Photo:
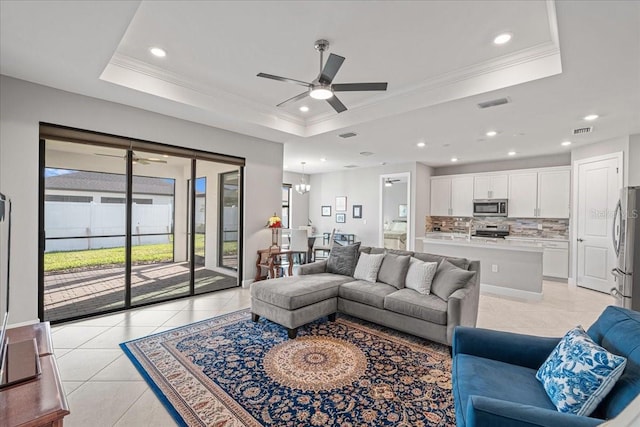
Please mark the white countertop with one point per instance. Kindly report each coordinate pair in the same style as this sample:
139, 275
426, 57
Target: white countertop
545, 239
485, 243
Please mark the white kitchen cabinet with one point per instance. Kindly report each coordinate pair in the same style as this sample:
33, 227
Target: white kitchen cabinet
541, 194
440, 196
452, 196
490, 186
531, 193
554, 188
523, 195
555, 259
462, 196
555, 255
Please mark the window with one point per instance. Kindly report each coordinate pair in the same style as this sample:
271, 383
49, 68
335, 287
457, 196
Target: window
73, 199
123, 200
286, 205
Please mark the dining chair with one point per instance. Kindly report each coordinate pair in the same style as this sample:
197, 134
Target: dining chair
299, 244
324, 248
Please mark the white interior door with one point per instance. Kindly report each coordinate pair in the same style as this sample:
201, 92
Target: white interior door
598, 189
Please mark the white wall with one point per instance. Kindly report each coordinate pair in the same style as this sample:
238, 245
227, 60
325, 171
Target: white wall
561, 159
23, 105
634, 160
299, 210
421, 198
393, 197
605, 147
361, 187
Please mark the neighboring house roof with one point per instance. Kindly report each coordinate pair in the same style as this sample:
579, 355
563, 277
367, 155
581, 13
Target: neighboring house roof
108, 182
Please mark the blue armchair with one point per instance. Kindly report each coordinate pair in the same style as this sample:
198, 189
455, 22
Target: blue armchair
494, 381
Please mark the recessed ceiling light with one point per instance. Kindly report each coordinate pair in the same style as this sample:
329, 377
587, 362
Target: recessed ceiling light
366, 153
491, 133
454, 159
165, 155
591, 117
421, 144
565, 143
323, 159
304, 108
383, 163
511, 153
502, 38
156, 51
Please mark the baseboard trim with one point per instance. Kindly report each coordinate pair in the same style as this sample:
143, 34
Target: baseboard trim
247, 283
28, 322
508, 292
572, 282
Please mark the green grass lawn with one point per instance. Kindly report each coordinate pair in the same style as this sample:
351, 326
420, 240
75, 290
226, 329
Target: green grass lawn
144, 254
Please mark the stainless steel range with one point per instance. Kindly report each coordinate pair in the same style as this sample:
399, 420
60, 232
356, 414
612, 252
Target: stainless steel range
499, 231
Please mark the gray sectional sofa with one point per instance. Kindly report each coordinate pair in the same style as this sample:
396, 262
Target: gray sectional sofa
314, 293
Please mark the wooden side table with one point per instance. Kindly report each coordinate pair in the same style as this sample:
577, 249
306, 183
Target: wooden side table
41, 401
267, 259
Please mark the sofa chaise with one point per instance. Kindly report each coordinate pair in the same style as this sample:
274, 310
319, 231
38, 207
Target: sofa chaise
314, 293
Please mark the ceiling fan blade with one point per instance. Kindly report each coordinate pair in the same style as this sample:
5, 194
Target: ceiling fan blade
356, 87
110, 155
336, 104
294, 99
284, 79
331, 69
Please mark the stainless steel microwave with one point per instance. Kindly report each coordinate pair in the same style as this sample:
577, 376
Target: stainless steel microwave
490, 207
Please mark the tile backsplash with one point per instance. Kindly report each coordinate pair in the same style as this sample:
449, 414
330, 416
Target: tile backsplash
522, 227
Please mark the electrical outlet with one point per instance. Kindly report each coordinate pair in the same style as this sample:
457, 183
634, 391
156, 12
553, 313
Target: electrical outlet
494, 268
364, 221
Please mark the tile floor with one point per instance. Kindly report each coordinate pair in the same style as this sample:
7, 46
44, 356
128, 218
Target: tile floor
104, 389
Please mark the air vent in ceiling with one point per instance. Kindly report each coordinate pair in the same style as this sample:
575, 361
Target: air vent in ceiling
351, 166
493, 103
580, 131
347, 135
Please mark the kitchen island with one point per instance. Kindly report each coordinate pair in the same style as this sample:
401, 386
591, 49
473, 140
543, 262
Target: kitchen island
507, 267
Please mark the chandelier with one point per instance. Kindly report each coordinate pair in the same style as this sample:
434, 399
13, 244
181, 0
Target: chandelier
303, 187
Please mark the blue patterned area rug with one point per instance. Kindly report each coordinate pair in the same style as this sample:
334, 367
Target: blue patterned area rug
230, 371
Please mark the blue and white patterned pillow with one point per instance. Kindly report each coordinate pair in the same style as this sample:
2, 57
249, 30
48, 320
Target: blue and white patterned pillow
579, 373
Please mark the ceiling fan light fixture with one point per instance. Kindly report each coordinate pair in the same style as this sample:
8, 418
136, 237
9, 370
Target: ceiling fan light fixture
322, 92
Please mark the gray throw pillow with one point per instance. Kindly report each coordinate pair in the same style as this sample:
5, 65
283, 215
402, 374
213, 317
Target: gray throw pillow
462, 263
420, 275
398, 252
343, 259
368, 266
449, 279
393, 270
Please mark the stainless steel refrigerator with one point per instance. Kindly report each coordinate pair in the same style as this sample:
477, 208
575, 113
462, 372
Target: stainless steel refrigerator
626, 244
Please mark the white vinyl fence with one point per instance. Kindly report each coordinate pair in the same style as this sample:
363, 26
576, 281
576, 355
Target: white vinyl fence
64, 219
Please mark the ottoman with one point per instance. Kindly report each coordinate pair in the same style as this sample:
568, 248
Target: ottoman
297, 300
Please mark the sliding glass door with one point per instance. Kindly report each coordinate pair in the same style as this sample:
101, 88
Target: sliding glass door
230, 214
125, 227
85, 230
